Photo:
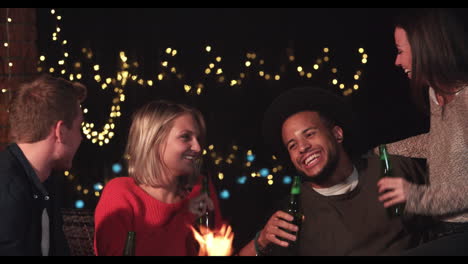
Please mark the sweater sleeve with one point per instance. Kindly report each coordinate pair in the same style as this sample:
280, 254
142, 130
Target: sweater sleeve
414, 147
447, 194
426, 200
113, 219
410, 169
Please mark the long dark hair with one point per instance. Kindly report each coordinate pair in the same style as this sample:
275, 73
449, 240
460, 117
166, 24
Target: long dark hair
439, 47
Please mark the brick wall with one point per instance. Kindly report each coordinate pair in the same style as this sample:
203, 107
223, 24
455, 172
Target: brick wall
21, 35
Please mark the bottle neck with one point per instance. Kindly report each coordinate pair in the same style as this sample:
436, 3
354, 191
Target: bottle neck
207, 219
129, 249
205, 185
383, 152
296, 186
295, 190
386, 166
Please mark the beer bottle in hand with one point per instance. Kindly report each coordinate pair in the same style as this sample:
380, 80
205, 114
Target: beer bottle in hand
294, 206
386, 171
129, 249
294, 209
207, 219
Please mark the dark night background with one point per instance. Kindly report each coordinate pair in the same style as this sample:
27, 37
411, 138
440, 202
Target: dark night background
233, 114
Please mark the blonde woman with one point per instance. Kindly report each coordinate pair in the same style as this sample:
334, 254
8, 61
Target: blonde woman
164, 150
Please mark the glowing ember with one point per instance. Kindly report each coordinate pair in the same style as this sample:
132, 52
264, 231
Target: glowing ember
214, 243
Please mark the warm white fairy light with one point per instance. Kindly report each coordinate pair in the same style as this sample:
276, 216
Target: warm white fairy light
103, 136
6, 44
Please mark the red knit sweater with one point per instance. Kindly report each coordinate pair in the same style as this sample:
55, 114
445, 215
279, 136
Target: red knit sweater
161, 229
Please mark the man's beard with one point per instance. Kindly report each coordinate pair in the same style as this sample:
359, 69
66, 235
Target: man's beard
324, 175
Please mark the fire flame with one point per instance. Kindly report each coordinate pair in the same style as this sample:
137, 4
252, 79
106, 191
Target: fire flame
214, 243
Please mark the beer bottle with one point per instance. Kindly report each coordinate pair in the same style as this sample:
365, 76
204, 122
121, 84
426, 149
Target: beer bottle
207, 219
386, 171
294, 208
129, 249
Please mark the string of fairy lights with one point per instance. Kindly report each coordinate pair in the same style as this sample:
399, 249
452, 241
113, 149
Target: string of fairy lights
103, 135
128, 72
6, 45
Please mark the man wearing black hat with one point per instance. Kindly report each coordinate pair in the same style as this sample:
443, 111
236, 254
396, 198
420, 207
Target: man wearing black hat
339, 196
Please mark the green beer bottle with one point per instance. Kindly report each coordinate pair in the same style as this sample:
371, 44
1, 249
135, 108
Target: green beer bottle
386, 171
129, 249
207, 219
294, 208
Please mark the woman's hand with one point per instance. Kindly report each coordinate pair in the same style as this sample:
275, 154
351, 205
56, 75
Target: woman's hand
200, 204
392, 191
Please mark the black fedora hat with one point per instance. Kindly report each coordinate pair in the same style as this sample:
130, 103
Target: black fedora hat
329, 105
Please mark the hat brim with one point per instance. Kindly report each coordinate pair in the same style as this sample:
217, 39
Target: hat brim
327, 104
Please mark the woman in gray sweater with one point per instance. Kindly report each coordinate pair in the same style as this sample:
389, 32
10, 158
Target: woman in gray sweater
433, 52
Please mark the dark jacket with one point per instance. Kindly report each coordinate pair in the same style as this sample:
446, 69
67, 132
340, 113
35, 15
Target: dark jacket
22, 201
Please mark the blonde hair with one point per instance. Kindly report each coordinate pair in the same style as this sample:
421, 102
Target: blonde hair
147, 137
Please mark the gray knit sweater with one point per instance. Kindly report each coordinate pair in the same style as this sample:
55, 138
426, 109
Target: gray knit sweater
446, 149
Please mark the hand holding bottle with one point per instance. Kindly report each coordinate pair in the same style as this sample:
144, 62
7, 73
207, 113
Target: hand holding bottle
285, 225
278, 230
392, 191
200, 204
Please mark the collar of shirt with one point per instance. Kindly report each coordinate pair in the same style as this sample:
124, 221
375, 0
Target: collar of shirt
345, 187
433, 97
